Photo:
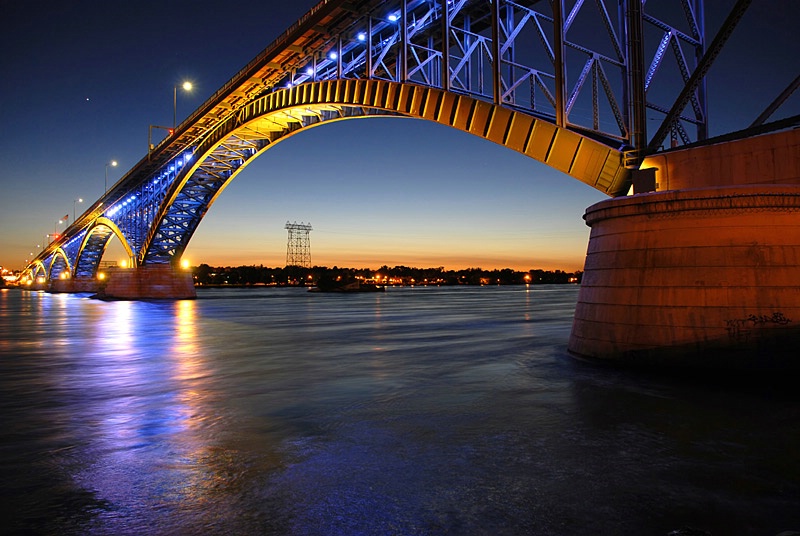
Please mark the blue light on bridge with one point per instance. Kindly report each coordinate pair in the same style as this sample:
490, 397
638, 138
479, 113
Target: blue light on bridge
362, 36
393, 18
333, 55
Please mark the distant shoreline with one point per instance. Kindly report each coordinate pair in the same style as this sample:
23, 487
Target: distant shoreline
262, 285
263, 276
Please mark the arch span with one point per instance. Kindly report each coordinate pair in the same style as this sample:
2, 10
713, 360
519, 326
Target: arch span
227, 149
60, 264
576, 155
94, 245
35, 270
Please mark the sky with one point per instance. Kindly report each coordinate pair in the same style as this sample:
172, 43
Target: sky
83, 80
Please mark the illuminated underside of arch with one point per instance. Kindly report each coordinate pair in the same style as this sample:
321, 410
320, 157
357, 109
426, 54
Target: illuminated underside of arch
94, 245
37, 269
227, 149
59, 265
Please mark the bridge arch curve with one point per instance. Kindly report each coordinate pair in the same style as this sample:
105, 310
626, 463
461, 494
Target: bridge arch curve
59, 265
35, 270
94, 245
254, 128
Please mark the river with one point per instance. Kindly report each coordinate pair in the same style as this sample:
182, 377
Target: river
418, 411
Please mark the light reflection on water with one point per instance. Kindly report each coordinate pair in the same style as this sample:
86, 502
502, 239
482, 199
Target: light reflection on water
415, 411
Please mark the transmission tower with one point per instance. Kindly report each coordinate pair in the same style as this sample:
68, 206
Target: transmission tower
298, 248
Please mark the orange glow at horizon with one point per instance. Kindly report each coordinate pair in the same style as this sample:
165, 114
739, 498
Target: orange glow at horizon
453, 251
355, 259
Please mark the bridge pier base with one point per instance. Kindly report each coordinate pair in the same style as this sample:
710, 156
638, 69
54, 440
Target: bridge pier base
148, 282
74, 285
701, 278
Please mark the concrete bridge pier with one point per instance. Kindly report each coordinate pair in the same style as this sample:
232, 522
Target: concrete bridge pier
148, 282
36, 286
705, 277
71, 285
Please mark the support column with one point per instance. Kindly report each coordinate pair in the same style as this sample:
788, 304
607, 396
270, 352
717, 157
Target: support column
701, 278
148, 282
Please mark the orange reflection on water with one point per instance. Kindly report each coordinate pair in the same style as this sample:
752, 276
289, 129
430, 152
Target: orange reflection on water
118, 327
189, 370
185, 347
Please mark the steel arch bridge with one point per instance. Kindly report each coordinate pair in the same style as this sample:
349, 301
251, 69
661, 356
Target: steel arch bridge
569, 83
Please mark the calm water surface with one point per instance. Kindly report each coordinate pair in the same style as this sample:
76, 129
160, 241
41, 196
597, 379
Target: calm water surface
411, 412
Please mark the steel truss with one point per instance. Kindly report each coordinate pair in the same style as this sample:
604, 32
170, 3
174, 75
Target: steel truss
579, 63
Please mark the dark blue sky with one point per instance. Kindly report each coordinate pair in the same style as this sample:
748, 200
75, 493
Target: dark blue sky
82, 80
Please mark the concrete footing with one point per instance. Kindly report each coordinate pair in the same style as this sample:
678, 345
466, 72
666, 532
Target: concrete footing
74, 285
706, 278
148, 282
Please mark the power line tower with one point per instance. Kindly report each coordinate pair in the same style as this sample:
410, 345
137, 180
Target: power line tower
298, 248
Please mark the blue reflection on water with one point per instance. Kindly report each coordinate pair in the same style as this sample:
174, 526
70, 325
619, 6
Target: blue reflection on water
415, 411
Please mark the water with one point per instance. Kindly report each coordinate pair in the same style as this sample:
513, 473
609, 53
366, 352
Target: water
411, 412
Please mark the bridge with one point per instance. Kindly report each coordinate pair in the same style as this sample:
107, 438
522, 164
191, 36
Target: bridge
520, 74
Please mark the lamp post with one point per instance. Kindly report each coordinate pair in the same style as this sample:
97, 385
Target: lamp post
55, 229
113, 163
74, 201
187, 86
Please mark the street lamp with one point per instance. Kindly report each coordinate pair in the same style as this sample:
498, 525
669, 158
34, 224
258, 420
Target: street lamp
55, 230
187, 86
74, 201
113, 163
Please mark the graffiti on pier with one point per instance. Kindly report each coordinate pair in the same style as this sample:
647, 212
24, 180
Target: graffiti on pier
739, 329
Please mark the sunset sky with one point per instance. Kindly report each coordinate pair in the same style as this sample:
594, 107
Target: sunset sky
82, 80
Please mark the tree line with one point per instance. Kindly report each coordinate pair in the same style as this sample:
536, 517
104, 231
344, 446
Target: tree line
205, 275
